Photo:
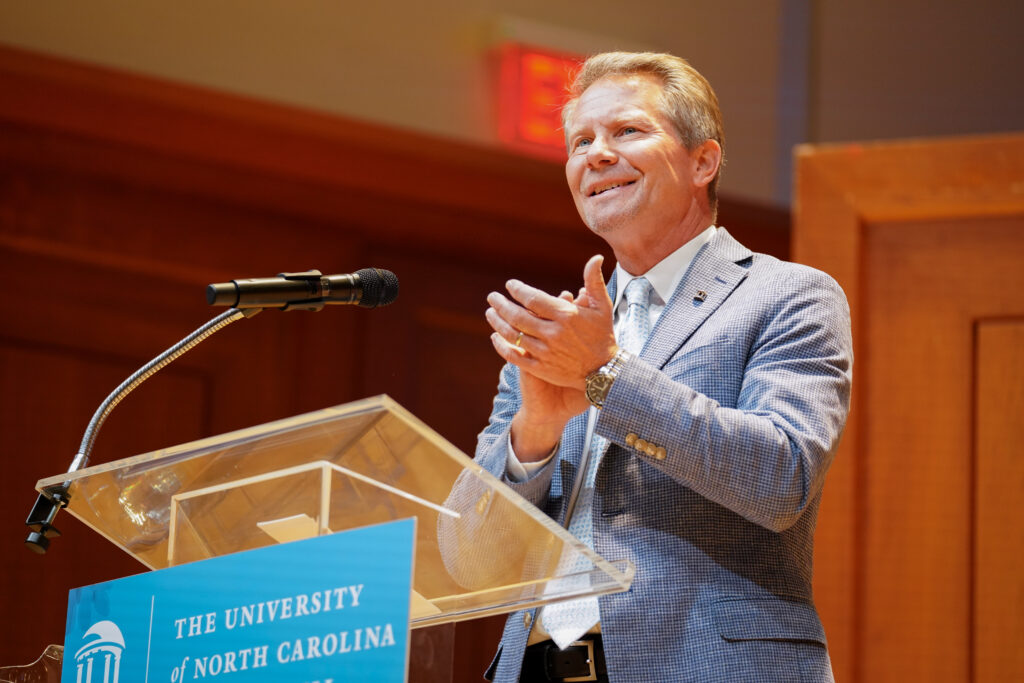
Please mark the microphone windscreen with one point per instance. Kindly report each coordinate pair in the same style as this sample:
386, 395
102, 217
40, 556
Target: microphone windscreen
380, 287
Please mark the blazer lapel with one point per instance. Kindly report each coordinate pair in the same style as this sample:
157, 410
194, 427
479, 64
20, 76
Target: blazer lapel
710, 279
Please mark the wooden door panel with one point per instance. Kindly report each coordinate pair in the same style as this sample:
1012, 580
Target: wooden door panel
913, 579
927, 285
998, 564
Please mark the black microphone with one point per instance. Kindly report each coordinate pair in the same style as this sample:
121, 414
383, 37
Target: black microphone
307, 291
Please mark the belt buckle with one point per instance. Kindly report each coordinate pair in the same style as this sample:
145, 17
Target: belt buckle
592, 676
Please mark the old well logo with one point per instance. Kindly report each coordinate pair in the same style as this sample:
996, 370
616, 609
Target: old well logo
99, 660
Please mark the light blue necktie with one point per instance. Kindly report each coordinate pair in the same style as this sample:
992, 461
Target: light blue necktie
565, 622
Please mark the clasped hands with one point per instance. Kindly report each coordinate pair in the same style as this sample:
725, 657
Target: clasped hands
555, 341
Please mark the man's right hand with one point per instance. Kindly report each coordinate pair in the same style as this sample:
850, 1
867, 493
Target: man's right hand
546, 409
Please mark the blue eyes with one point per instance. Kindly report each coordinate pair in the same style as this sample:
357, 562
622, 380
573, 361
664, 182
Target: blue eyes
627, 130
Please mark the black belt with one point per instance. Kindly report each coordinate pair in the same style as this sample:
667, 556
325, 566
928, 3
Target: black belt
581, 661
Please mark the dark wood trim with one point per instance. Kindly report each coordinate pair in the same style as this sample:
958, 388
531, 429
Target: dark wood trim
324, 167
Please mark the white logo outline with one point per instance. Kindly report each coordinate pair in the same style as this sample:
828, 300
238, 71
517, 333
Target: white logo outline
105, 649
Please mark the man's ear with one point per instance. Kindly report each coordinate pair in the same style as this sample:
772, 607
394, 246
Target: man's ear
706, 157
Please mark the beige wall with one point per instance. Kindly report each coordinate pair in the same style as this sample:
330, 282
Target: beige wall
918, 68
418, 65
787, 71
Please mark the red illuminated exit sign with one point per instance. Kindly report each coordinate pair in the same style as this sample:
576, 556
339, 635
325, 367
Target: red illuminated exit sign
533, 88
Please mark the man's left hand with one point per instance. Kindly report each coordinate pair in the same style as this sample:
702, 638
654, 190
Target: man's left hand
562, 340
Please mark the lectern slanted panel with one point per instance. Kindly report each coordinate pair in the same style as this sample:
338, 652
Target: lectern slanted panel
480, 548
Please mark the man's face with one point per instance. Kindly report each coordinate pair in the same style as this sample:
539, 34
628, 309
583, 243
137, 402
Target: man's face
630, 175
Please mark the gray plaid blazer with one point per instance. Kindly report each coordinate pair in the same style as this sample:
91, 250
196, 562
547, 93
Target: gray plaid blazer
745, 382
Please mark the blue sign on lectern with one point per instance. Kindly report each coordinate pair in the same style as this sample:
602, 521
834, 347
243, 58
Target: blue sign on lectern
331, 609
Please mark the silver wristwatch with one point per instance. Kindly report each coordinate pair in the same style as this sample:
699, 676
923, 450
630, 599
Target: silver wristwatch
600, 381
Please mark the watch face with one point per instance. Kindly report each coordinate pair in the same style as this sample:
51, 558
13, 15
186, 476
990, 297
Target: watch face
598, 387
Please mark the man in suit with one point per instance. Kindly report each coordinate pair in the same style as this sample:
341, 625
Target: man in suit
694, 403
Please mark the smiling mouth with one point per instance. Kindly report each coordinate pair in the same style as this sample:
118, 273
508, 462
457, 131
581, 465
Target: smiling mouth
602, 190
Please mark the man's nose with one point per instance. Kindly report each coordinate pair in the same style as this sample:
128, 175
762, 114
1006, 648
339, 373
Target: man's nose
600, 152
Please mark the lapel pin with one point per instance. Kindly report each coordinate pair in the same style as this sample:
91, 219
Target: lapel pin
701, 295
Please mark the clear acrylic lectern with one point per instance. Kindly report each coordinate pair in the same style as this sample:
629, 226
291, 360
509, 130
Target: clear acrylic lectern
480, 548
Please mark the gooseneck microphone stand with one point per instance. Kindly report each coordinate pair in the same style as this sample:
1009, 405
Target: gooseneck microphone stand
51, 500
309, 290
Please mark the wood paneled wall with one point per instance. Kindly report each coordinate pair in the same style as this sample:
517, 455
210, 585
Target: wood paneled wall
122, 196
920, 548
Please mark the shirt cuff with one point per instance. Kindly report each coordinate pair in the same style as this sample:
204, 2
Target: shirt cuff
522, 471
